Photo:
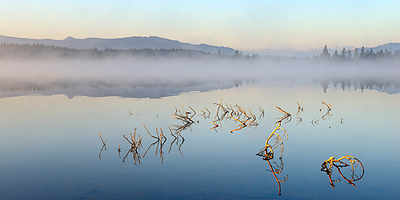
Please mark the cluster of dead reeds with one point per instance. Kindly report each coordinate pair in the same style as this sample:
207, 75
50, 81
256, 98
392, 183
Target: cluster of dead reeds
224, 112
135, 145
186, 117
276, 138
135, 142
267, 152
245, 118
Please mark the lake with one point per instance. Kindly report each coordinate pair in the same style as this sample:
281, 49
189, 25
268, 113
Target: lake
51, 147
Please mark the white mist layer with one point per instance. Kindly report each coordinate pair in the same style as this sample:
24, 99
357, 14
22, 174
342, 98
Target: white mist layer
182, 72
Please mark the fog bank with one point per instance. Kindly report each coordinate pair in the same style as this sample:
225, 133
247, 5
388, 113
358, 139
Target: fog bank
51, 74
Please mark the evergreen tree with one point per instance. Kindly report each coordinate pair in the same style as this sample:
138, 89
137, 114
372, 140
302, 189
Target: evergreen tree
356, 53
343, 54
349, 54
379, 54
362, 53
370, 53
236, 54
325, 54
335, 55
388, 54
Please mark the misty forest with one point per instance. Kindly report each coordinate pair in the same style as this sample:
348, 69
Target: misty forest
51, 67
41, 51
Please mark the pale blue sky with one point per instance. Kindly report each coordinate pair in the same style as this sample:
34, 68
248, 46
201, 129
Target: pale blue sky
246, 25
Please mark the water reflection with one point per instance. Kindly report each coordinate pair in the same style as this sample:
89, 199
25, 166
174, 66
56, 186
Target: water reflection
160, 141
354, 167
390, 86
267, 152
177, 137
185, 117
98, 88
328, 110
135, 145
237, 113
225, 112
215, 165
104, 147
300, 109
276, 169
205, 114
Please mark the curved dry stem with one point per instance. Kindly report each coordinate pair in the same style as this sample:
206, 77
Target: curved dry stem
340, 164
278, 140
275, 172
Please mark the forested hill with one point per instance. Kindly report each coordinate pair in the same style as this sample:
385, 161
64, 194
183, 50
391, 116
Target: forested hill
41, 51
151, 42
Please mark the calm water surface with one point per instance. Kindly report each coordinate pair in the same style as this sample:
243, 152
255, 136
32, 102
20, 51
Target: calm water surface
50, 146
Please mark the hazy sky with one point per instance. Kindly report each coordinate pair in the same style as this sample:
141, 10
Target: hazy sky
246, 25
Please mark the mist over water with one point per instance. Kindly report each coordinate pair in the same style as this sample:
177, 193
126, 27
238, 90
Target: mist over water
191, 74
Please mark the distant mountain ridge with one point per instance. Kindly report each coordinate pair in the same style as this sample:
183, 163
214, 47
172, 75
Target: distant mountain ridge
136, 42
389, 46
154, 42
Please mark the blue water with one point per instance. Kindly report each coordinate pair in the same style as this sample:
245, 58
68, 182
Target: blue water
50, 145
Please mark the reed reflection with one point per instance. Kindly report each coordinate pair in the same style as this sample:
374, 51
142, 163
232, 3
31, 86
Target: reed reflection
177, 137
245, 118
267, 152
135, 146
206, 114
354, 167
348, 167
276, 169
186, 117
328, 110
104, 147
300, 109
160, 141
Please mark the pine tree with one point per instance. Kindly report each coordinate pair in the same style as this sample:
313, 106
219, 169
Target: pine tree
362, 53
349, 55
325, 54
356, 53
343, 54
335, 55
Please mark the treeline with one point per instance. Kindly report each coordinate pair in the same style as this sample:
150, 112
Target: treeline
357, 54
27, 51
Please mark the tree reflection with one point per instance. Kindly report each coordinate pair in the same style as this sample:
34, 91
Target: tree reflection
364, 83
